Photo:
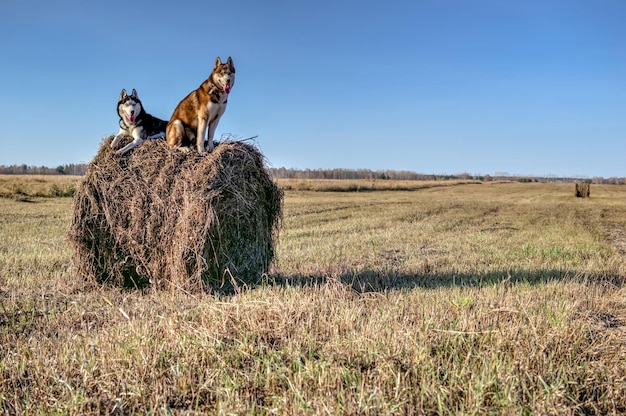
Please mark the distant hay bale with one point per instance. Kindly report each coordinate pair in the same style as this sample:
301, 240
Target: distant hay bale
162, 217
582, 190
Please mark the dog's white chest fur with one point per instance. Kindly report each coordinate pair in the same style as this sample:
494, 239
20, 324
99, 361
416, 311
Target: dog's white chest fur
216, 109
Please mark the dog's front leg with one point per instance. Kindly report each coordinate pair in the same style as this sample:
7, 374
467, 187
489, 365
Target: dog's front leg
137, 134
212, 128
201, 135
117, 138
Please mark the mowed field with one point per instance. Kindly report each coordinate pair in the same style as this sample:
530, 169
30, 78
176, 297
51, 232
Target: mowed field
416, 298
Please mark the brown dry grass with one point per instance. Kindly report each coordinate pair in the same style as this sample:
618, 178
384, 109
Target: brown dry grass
357, 185
28, 186
473, 299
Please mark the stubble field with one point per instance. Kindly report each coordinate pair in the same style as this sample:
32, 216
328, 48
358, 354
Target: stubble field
469, 298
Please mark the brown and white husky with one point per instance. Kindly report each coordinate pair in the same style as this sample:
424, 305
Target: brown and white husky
201, 110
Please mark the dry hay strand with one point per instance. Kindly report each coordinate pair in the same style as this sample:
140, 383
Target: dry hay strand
172, 219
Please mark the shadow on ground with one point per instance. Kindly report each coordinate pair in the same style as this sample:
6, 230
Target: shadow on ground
369, 281
377, 281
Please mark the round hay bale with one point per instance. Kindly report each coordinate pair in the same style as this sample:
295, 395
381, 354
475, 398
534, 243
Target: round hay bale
582, 190
172, 219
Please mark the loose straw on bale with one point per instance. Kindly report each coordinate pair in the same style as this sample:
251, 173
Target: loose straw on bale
172, 219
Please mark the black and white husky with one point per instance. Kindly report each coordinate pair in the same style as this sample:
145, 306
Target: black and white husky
135, 122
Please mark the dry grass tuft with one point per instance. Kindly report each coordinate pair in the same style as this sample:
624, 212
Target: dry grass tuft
365, 185
173, 219
25, 187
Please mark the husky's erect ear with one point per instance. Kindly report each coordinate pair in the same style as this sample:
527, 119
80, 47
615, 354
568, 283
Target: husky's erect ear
134, 94
229, 61
122, 95
218, 62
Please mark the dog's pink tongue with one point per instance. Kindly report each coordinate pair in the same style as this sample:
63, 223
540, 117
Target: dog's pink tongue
132, 119
227, 89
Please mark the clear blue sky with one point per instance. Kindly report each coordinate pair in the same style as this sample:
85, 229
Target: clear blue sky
534, 87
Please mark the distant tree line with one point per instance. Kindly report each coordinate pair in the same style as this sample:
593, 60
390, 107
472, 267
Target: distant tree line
70, 169
367, 174
284, 173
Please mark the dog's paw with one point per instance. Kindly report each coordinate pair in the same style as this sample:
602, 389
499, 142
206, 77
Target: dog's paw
183, 149
115, 141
